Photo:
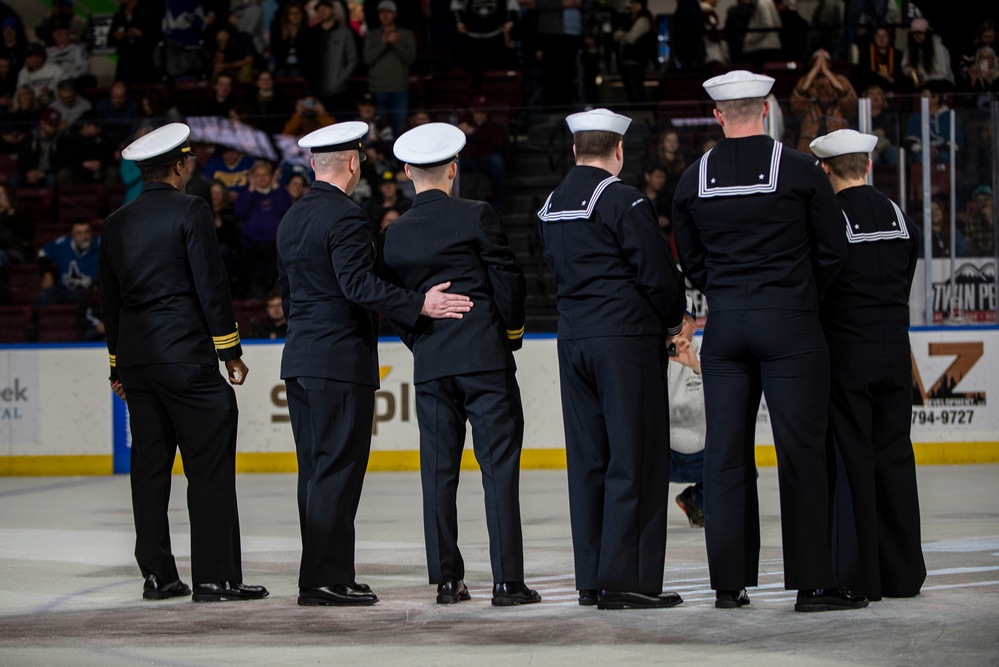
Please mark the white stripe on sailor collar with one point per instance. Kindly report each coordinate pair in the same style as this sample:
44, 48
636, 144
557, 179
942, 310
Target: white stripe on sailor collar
704, 189
860, 237
579, 214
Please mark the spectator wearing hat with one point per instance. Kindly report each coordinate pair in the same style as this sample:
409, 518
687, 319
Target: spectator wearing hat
484, 152
36, 154
326, 271
331, 56
764, 288
134, 33
386, 198
85, 155
620, 302
69, 103
822, 100
169, 321
865, 317
941, 117
39, 75
72, 57
12, 42
925, 57
389, 52
463, 371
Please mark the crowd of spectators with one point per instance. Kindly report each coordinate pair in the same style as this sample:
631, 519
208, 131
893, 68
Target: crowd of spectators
356, 60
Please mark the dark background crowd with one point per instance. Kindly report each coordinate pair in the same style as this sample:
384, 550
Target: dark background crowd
273, 71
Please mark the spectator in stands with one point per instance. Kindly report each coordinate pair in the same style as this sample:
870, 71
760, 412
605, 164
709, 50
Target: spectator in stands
885, 126
389, 215
233, 54
288, 40
69, 103
875, 12
940, 228
223, 98
793, 31
377, 142
72, 57
670, 155
259, 210
275, 325
925, 58
827, 25
715, 47
85, 156
823, 101
979, 227
357, 20
484, 149
297, 187
983, 75
118, 114
762, 43
16, 227
68, 266
687, 36
41, 76
389, 52
230, 166
12, 42
310, 115
36, 155
637, 42
21, 118
63, 12
266, 108
248, 19
155, 112
654, 180
880, 63
736, 26
134, 33
331, 56
941, 117
91, 317
985, 36
387, 197
484, 35
8, 83
687, 424
226, 225
182, 53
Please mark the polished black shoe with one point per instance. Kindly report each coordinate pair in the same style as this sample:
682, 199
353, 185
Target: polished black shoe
731, 599
513, 593
830, 599
695, 515
154, 589
630, 600
588, 597
452, 591
341, 595
227, 591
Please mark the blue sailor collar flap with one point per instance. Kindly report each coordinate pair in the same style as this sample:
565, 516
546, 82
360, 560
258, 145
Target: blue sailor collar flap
882, 223
735, 168
577, 197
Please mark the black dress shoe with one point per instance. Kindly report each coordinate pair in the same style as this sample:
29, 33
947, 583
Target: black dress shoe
154, 589
588, 597
341, 595
513, 593
228, 590
631, 600
731, 599
830, 599
452, 591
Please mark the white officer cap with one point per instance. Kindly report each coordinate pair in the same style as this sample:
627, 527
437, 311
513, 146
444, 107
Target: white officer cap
842, 142
600, 120
336, 137
164, 144
738, 85
429, 145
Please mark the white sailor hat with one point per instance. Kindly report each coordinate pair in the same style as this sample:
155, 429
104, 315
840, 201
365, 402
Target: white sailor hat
429, 145
337, 137
842, 142
602, 120
164, 144
738, 85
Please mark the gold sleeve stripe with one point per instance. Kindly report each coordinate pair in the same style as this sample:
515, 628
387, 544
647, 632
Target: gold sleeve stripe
515, 333
114, 360
228, 340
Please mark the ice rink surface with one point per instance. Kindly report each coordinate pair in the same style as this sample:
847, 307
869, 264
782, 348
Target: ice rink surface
70, 592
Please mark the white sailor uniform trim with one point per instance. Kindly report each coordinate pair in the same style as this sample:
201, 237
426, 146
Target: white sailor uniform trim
900, 230
706, 189
579, 214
